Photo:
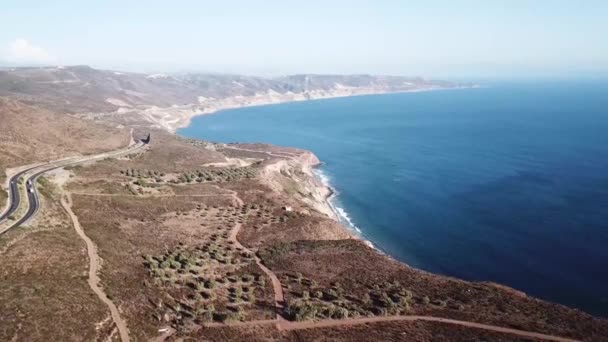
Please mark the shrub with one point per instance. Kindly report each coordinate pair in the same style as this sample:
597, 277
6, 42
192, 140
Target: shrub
340, 313
210, 283
250, 297
262, 281
300, 310
386, 301
331, 294
206, 316
441, 303
366, 299
200, 286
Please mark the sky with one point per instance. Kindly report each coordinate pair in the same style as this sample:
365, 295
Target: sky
433, 38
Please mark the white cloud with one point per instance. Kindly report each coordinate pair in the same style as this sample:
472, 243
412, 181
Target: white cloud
21, 51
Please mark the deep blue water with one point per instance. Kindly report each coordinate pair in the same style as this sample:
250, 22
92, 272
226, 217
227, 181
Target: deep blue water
507, 183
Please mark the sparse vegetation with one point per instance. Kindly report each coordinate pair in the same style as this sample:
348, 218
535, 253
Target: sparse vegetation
147, 178
211, 274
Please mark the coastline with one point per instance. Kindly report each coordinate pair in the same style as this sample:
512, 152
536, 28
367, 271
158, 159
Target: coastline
341, 215
214, 106
328, 201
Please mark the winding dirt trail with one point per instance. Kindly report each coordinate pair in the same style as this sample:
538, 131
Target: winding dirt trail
287, 325
283, 155
93, 280
280, 322
148, 196
283, 324
279, 297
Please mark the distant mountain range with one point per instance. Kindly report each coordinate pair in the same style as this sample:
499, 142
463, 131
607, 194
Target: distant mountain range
169, 100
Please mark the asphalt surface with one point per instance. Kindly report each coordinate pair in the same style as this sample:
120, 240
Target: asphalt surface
14, 199
32, 192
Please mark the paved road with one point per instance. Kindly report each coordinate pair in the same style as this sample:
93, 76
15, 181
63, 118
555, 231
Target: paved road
30, 183
14, 198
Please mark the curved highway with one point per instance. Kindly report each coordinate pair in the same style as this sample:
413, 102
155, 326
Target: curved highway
14, 198
30, 184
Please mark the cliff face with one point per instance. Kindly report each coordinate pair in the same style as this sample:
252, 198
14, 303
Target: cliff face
295, 177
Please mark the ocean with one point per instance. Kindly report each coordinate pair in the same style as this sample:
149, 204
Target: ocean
506, 183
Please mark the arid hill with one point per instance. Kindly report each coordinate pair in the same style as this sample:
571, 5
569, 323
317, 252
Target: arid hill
169, 101
31, 134
192, 239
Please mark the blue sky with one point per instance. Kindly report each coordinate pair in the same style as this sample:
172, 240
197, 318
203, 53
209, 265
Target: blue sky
429, 38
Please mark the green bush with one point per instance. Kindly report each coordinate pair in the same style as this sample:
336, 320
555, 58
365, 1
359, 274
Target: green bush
366, 299
210, 284
340, 313
300, 310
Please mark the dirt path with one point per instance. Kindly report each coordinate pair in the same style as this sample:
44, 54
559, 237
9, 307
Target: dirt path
283, 324
279, 298
281, 155
66, 203
149, 196
286, 325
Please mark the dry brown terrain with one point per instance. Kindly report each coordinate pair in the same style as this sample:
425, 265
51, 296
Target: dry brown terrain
170, 101
306, 250
389, 331
31, 134
348, 274
44, 294
174, 227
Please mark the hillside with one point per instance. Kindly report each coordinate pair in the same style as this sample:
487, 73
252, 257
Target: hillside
169, 101
188, 239
32, 134
197, 241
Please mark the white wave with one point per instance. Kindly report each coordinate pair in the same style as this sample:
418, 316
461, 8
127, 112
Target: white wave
323, 177
341, 213
346, 218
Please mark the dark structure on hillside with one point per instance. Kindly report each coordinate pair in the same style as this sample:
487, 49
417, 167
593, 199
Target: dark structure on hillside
147, 139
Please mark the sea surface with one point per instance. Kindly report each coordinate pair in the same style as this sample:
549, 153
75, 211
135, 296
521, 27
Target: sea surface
505, 183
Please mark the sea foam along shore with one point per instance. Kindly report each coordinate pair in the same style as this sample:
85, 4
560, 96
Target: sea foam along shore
334, 204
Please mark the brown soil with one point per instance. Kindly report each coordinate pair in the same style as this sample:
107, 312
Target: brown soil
31, 134
94, 266
298, 252
359, 270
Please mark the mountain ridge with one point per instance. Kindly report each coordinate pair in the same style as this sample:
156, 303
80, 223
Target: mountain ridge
169, 101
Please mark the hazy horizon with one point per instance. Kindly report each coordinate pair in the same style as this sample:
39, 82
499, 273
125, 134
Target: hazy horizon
437, 39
